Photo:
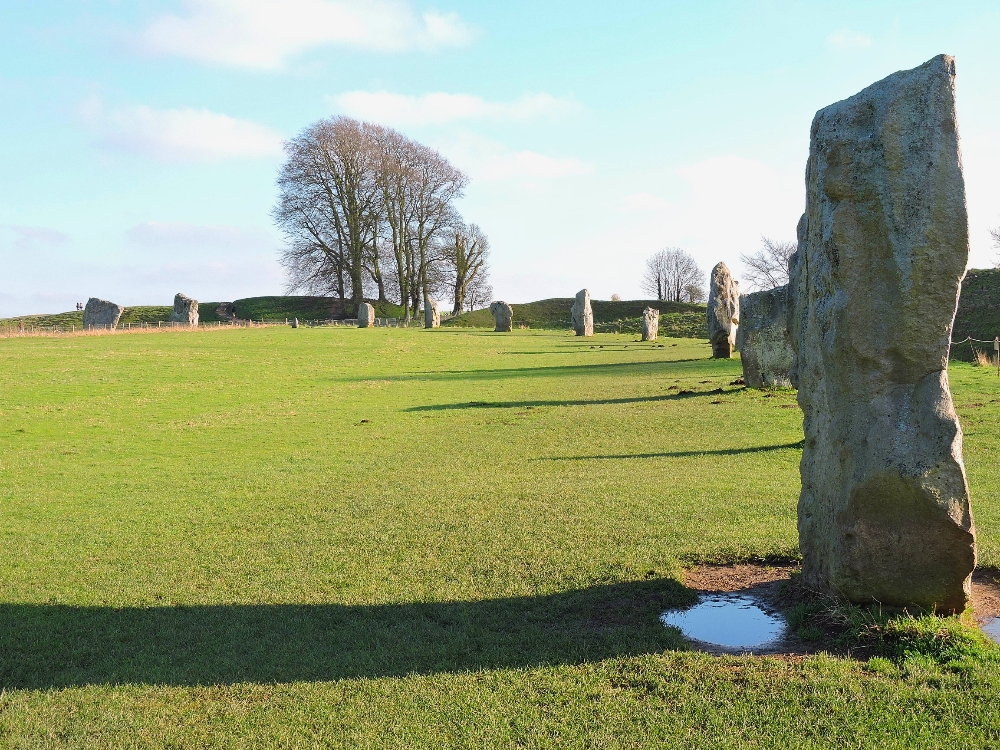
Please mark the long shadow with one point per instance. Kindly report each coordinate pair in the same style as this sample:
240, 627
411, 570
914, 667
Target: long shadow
581, 402
681, 454
532, 371
53, 646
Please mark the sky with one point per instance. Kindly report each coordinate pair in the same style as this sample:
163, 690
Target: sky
140, 141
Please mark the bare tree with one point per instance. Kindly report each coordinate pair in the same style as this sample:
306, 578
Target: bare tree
479, 292
995, 233
669, 272
694, 293
328, 195
465, 256
768, 267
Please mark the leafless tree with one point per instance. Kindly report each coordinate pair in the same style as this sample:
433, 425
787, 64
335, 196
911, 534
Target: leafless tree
694, 293
669, 272
768, 267
465, 257
479, 293
995, 233
362, 206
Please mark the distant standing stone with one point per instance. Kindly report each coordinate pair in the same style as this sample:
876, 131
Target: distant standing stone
185, 310
432, 318
99, 313
650, 324
884, 513
503, 314
763, 340
295, 322
582, 315
366, 315
723, 311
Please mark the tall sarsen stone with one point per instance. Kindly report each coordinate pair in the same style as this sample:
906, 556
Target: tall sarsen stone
884, 513
582, 315
185, 310
723, 311
763, 341
99, 313
650, 323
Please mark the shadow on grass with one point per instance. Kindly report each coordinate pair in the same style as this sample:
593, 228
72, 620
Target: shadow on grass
561, 370
572, 402
53, 646
682, 454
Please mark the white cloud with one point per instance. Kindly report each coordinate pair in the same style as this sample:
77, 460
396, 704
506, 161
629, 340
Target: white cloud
27, 239
491, 161
265, 33
642, 202
180, 134
846, 39
437, 108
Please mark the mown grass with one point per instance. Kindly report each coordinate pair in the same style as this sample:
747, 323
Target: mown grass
398, 537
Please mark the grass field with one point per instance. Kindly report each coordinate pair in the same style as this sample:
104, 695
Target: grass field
406, 538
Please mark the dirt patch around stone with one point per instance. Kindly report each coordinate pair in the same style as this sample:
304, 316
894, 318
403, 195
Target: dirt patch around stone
773, 589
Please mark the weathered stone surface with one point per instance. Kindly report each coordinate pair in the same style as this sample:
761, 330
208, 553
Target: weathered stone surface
582, 315
99, 313
226, 311
366, 315
763, 341
723, 311
884, 513
185, 310
432, 318
503, 314
650, 324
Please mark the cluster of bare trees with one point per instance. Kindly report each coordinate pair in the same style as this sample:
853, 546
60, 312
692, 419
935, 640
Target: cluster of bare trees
768, 267
369, 213
674, 276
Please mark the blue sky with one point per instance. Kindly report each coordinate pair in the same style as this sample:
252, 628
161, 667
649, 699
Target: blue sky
140, 140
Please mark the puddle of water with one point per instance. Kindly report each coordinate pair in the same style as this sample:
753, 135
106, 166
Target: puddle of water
992, 628
728, 620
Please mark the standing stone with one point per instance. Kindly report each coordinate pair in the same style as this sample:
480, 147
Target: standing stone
763, 341
582, 315
432, 318
185, 310
884, 513
723, 312
366, 315
295, 322
650, 324
503, 314
99, 313
226, 311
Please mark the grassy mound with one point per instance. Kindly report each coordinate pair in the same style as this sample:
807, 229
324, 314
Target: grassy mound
978, 314
676, 318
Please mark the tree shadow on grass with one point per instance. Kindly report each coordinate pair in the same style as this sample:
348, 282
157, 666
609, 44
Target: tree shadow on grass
571, 402
55, 646
681, 454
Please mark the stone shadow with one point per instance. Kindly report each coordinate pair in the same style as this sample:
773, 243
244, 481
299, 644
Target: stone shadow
682, 454
568, 402
45, 646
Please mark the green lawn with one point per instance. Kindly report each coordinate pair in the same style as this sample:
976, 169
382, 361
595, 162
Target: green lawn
338, 537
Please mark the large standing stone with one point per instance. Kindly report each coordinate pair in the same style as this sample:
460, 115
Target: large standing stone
582, 315
503, 314
650, 323
366, 315
432, 318
763, 340
99, 313
884, 513
723, 311
185, 310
